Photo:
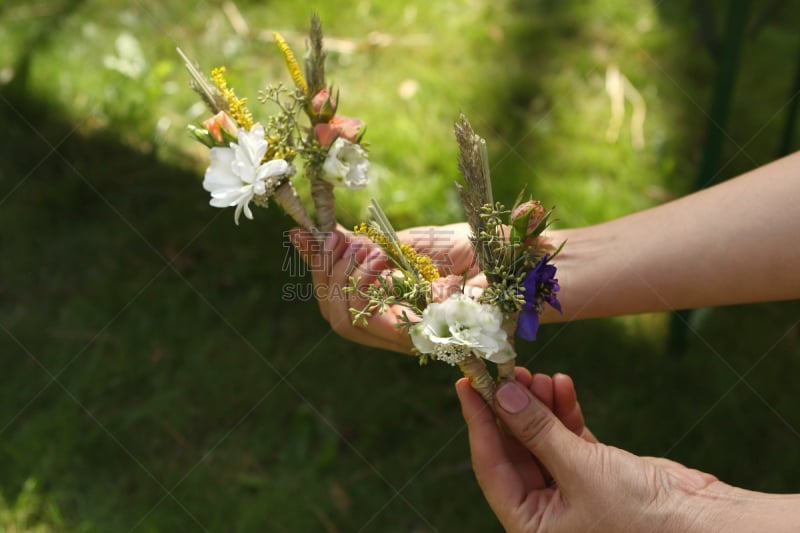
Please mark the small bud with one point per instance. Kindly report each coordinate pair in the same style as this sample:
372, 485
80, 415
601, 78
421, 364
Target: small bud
202, 135
323, 105
529, 219
221, 127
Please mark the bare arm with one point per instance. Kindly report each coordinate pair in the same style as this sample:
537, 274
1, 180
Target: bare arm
733, 243
736, 242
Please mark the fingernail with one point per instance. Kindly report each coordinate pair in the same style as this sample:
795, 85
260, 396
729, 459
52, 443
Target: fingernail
331, 241
511, 397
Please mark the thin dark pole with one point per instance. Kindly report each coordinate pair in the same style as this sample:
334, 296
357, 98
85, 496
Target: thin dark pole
787, 139
718, 115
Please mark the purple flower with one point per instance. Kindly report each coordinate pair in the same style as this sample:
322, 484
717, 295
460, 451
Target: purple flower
541, 287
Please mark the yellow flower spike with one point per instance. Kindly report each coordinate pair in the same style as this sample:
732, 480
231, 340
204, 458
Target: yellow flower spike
291, 63
237, 107
421, 262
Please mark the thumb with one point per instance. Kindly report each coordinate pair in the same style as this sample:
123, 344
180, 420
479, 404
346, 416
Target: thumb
536, 427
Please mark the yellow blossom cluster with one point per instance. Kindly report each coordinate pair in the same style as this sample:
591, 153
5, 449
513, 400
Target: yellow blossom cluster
278, 150
423, 263
237, 107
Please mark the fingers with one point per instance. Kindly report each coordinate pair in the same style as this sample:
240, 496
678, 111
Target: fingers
566, 407
534, 425
497, 475
523, 375
558, 394
542, 387
530, 471
320, 258
331, 263
381, 329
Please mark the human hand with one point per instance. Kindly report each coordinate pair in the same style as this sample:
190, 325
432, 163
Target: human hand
343, 255
593, 487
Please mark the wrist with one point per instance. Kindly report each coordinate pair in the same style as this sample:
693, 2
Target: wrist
709, 509
722, 507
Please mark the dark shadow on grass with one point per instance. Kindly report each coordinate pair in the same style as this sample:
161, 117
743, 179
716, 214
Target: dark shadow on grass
167, 332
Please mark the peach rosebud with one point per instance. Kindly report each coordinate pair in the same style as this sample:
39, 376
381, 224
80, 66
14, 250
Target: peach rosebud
345, 127
219, 123
325, 134
348, 128
323, 105
529, 218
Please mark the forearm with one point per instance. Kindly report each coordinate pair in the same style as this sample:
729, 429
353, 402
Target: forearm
732, 243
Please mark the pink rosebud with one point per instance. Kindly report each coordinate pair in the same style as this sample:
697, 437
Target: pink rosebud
345, 127
323, 104
527, 217
219, 123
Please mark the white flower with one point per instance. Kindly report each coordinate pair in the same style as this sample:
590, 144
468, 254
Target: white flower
346, 164
236, 174
459, 325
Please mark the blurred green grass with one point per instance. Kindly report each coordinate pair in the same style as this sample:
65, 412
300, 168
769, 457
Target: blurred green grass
154, 379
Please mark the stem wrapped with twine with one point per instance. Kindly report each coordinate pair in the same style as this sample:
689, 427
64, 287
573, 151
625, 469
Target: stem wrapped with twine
475, 369
324, 200
321, 190
286, 197
505, 371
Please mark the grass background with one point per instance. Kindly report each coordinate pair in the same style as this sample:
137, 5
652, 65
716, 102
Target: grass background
153, 378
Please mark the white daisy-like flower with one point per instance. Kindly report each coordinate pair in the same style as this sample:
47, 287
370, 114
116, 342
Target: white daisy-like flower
236, 174
346, 165
458, 326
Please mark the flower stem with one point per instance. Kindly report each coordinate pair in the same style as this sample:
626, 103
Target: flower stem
286, 197
505, 371
487, 175
475, 369
324, 203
